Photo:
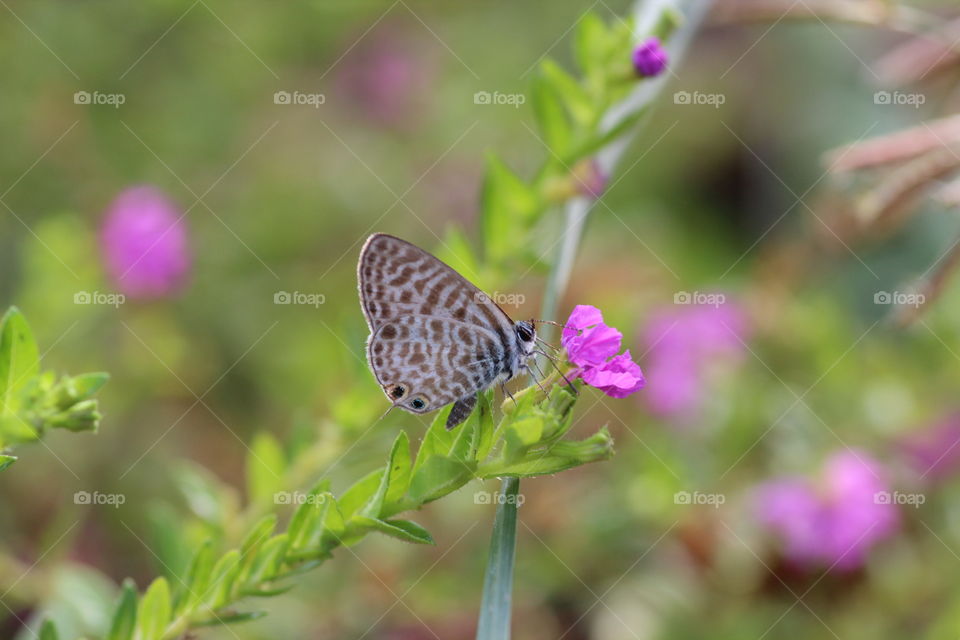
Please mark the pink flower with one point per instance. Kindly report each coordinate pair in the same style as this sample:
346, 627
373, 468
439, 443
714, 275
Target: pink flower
686, 347
144, 244
649, 58
592, 346
832, 520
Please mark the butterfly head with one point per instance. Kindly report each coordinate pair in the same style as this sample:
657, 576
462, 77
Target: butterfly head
526, 334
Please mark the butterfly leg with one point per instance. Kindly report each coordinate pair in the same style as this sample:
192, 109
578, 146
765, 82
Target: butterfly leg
506, 392
461, 411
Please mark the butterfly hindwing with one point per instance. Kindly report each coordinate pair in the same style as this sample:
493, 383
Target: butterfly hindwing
433, 359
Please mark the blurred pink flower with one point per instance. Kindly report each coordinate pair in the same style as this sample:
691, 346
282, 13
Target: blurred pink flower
832, 520
592, 346
934, 453
685, 343
144, 244
385, 78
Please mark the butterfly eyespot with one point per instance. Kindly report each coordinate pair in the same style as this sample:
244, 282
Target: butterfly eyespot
418, 403
398, 391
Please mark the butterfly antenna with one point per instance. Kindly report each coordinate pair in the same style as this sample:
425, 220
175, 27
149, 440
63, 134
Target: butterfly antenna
550, 322
544, 342
555, 366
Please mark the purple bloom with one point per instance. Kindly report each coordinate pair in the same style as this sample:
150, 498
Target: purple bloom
592, 346
618, 377
649, 58
144, 244
832, 520
687, 347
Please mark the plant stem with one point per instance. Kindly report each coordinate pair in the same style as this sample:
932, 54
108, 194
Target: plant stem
495, 607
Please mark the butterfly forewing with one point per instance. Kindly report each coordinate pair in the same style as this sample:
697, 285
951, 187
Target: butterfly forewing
435, 338
397, 279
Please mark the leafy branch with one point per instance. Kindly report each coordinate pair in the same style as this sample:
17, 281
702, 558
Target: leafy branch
527, 441
32, 402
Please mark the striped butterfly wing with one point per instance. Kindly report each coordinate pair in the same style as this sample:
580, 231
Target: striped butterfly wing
397, 279
435, 338
426, 362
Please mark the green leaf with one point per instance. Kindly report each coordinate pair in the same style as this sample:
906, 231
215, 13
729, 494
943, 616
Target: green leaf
222, 578
125, 614
197, 579
401, 469
437, 477
590, 43
6, 461
265, 467
233, 618
401, 529
48, 631
154, 611
19, 358
360, 493
594, 144
505, 201
574, 96
255, 539
305, 520
456, 251
551, 117
269, 559
483, 414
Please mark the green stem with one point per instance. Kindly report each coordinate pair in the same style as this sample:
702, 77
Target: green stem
494, 621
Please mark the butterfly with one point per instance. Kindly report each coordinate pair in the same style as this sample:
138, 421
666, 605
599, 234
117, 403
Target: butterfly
435, 338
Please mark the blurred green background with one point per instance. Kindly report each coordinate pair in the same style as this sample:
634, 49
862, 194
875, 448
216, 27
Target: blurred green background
280, 198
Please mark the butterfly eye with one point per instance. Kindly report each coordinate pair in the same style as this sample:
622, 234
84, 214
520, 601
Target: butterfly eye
397, 391
524, 332
418, 403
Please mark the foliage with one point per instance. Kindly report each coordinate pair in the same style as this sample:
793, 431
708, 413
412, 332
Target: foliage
32, 401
